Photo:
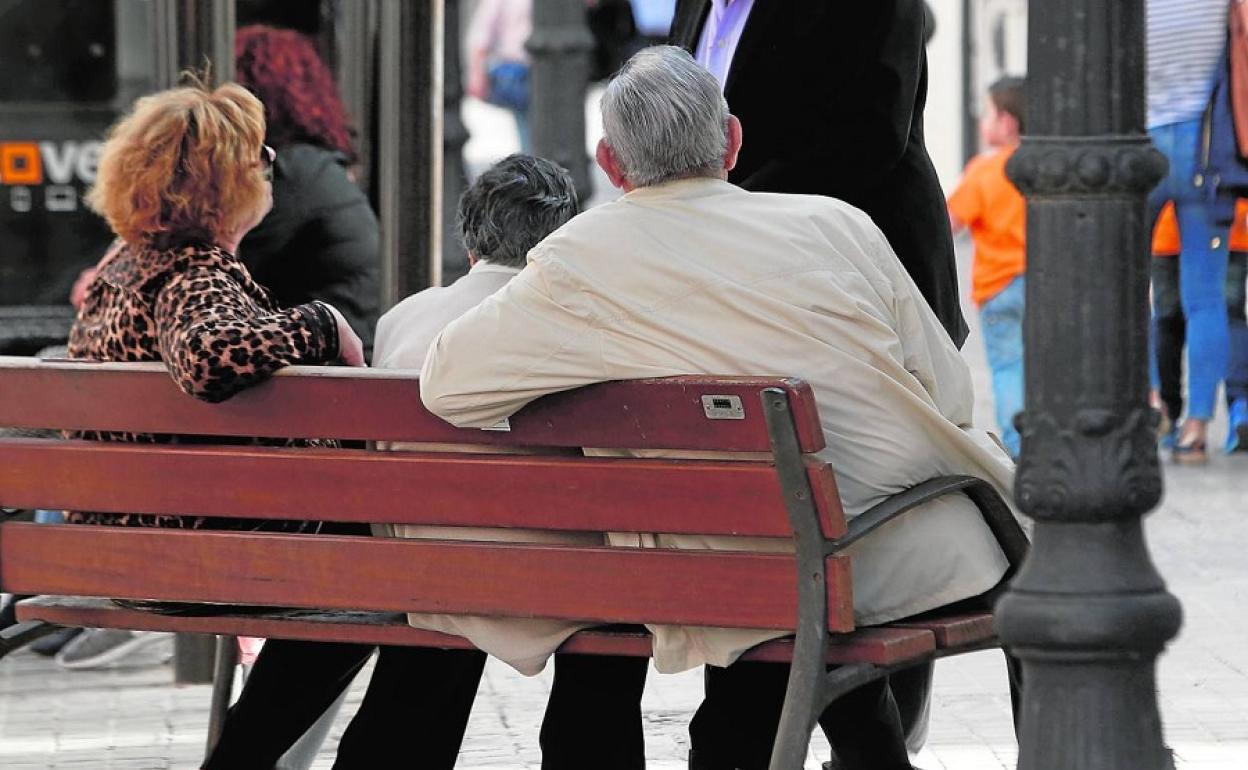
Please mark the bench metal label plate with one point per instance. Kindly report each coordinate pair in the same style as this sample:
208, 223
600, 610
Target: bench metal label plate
723, 408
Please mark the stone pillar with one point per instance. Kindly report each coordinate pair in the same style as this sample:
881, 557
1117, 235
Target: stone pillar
560, 47
1088, 613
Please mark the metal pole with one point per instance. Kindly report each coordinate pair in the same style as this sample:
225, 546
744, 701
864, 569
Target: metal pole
560, 47
970, 125
192, 35
355, 35
1088, 613
408, 152
454, 137
194, 658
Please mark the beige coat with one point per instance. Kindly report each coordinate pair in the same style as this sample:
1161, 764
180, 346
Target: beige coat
699, 276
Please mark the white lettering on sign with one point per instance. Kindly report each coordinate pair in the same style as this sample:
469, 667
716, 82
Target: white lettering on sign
64, 161
60, 197
89, 161
20, 199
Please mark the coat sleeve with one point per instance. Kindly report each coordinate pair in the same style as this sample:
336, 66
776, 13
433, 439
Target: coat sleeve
927, 351
216, 341
529, 339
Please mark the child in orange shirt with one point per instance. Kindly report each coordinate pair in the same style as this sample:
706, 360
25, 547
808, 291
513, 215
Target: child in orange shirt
986, 202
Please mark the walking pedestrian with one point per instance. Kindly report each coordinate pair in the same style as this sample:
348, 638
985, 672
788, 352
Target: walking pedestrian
987, 203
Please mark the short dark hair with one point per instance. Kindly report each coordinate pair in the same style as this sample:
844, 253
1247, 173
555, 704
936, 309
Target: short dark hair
512, 206
1007, 95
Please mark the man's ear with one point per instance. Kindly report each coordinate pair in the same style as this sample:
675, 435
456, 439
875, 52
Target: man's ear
610, 165
734, 143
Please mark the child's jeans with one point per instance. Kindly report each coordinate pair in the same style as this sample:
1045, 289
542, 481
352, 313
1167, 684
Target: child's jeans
1001, 319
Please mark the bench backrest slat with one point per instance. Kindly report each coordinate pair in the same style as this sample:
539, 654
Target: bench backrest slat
712, 588
344, 403
544, 492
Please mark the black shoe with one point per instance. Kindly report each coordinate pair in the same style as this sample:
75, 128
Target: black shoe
8, 613
53, 642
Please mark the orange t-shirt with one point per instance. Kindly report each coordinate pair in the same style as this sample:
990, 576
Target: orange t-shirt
994, 210
1166, 231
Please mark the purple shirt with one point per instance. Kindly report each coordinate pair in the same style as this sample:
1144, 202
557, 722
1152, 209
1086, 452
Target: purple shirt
720, 36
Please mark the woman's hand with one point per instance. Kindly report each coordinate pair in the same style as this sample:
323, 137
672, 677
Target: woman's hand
350, 349
78, 292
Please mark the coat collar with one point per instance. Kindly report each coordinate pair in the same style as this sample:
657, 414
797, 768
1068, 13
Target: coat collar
696, 187
687, 30
146, 269
756, 34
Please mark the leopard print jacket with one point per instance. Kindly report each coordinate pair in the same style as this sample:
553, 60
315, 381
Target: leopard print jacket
196, 308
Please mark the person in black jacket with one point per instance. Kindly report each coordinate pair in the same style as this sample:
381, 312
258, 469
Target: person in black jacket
830, 97
321, 240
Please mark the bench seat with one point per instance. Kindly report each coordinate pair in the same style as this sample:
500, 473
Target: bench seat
882, 646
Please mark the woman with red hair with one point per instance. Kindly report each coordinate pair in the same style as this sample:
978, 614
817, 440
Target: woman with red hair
321, 241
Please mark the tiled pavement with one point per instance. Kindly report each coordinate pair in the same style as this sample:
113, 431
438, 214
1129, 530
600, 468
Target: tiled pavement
132, 718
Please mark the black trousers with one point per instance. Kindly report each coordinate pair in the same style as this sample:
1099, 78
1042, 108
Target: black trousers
416, 708
593, 717
735, 727
414, 712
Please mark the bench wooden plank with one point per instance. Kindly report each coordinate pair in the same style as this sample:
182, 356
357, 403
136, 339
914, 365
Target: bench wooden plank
958, 630
612, 585
349, 403
881, 646
562, 493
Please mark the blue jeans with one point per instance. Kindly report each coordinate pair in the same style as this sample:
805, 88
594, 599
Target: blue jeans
1202, 263
1001, 319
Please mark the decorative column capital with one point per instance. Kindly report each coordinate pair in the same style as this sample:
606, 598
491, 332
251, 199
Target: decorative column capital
1100, 466
1075, 165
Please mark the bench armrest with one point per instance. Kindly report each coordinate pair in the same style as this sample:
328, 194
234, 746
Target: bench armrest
997, 514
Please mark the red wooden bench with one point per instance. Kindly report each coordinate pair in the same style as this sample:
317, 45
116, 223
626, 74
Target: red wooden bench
353, 588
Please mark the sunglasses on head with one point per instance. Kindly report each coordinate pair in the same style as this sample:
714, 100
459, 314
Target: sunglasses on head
267, 156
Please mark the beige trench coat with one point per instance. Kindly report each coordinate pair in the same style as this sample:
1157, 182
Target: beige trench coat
699, 276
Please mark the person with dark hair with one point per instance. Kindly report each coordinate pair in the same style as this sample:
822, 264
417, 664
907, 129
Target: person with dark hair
987, 203
321, 240
506, 212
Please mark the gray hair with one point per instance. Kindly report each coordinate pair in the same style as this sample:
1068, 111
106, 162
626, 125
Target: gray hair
512, 206
664, 117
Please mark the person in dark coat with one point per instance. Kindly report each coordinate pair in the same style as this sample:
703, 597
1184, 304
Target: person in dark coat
830, 97
322, 240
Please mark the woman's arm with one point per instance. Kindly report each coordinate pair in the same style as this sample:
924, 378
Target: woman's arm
215, 340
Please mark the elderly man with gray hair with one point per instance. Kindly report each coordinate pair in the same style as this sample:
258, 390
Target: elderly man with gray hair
688, 274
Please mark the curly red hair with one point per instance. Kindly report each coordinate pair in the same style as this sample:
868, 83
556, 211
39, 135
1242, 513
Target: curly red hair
185, 163
301, 102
